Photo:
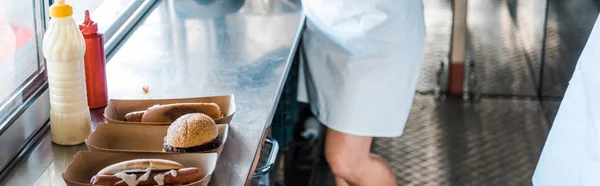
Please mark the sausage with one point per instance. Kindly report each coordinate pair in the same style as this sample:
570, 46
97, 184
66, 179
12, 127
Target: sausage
184, 176
135, 116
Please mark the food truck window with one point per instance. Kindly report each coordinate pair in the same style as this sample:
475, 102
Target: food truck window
22, 25
21, 63
24, 103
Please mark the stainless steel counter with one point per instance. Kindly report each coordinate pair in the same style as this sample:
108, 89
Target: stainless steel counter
190, 49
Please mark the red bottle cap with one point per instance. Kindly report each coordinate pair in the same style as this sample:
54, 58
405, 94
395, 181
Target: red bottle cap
88, 27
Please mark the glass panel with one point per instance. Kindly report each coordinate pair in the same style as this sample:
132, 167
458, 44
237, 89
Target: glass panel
21, 32
106, 13
19, 60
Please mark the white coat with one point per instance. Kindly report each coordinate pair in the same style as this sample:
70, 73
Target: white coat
361, 63
571, 155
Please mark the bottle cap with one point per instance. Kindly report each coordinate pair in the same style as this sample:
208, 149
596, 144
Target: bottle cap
88, 27
61, 9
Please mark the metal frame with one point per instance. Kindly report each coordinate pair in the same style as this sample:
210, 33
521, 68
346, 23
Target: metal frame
458, 48
125, 25
120, 21
261, 171
540, 87
32, 121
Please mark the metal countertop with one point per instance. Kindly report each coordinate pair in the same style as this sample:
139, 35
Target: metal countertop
190, 49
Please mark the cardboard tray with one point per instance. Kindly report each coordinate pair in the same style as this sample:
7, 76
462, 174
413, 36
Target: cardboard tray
117, 108
138, 138
86, 164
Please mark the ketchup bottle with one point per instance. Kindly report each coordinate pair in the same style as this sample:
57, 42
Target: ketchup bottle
95, 61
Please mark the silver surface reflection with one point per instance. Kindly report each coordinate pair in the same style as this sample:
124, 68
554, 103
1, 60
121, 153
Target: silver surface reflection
200, 48
190, 49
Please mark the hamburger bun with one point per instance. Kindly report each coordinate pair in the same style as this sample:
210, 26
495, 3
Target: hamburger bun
191, 130
140, 165
170, 112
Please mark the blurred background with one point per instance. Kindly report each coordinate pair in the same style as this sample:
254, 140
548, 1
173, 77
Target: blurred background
520, 56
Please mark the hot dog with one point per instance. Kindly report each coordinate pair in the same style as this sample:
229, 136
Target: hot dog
170, 112
142, 172
183, 176
135, 116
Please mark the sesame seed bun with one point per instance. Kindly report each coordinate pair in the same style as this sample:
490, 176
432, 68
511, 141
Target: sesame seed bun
140, 165
192, 130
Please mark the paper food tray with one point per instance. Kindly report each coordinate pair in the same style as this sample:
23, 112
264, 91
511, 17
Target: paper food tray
86, 164
139, 138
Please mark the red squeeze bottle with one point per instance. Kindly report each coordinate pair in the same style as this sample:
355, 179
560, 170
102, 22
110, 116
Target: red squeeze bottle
95, 61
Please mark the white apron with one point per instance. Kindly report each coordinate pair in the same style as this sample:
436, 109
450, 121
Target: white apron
361, 63
571, 155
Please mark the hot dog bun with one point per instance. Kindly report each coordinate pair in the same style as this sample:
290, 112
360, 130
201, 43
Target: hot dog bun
141, 172
140, 165
182, 177
170, 112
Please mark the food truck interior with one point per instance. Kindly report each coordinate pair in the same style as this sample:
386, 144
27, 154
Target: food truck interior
518, 57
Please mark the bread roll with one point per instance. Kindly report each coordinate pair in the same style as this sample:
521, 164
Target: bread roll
140, 165
192, 130
146, 172
172, 177
170, 112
